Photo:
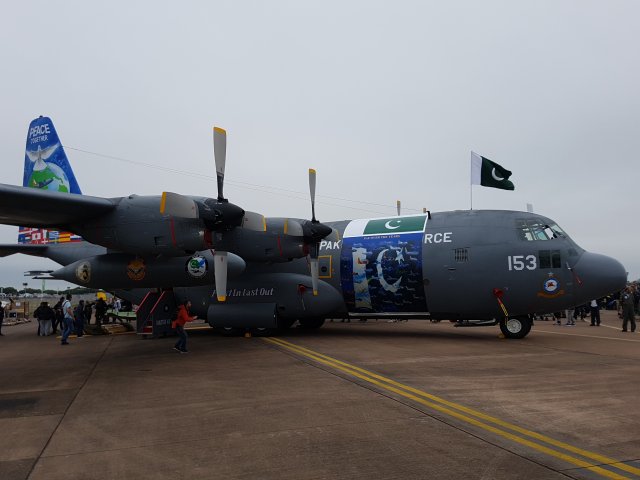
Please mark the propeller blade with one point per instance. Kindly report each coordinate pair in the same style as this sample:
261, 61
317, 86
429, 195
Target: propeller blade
220, 156
398, 206
254, 221
314, 250
313, 263
220, 274
178, 205
312, 190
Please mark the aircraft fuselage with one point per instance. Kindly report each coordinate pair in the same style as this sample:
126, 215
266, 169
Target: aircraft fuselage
458, 265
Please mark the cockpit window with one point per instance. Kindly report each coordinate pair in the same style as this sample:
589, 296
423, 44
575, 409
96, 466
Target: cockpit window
556, 230
549, 259
533, 230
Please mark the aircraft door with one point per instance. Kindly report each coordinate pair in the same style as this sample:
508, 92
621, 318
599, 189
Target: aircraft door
459, 280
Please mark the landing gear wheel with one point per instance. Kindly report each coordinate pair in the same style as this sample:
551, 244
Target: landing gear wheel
230, 331
285, 323
311, 323
515, 327
262, 332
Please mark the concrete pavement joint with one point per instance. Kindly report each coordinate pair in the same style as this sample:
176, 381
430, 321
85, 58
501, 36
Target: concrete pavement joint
387, 383
354, 381
201, 439
591, 336
595, 354
64, 414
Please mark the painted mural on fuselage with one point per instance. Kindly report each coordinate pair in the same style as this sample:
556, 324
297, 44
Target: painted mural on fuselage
381, 265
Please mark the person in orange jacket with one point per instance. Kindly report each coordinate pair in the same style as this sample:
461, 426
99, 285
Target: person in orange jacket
179, 323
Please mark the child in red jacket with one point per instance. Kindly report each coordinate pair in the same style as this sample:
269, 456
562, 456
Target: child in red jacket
179, 323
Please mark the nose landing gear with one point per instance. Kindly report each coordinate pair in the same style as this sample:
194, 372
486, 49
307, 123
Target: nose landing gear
515, 327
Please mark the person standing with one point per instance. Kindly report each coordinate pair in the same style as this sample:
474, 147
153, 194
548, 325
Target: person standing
571, 320
45, 315
179, 323
87, 312
628, 312
595, 313
101, 310
58, 320
67, 320
79, 321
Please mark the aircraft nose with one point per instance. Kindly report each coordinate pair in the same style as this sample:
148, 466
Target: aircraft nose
600, 275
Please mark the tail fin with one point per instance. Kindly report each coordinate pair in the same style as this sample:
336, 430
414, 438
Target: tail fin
47, 167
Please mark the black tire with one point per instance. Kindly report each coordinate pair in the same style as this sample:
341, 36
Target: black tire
311, 323
263, 332
285, 323
515, 327
231, 331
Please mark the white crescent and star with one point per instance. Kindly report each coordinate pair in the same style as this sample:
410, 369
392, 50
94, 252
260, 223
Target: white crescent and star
386, 285
389, 227
496, 177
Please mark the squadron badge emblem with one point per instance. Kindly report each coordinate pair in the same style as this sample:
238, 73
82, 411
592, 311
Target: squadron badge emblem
136, 269
83, 272
197, 267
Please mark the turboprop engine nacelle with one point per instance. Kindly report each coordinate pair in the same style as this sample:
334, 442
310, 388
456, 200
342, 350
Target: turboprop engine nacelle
121, 270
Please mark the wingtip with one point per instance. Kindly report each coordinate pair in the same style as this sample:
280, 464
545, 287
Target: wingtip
220, 130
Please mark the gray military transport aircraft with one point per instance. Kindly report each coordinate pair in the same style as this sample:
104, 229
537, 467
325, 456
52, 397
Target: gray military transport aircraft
244, 271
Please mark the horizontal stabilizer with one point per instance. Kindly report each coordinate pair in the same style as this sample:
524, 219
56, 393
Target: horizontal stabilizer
32, 273
11, 248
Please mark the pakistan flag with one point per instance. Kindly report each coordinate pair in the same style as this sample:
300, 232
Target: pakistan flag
384, 226
489, 174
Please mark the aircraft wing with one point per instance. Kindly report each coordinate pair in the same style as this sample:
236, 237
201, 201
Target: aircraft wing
23, 206
11, 248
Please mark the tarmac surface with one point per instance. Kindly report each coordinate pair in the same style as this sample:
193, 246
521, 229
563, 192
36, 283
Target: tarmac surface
408, 400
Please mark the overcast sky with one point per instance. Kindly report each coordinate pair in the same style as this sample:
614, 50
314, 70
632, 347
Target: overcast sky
385, 99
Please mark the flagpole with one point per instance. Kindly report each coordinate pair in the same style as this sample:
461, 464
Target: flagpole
471, 182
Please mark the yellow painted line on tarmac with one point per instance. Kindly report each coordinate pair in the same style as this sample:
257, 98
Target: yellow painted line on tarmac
449, 408
591, 336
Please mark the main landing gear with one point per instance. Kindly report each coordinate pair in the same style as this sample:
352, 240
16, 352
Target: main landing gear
311, 323
283, 324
